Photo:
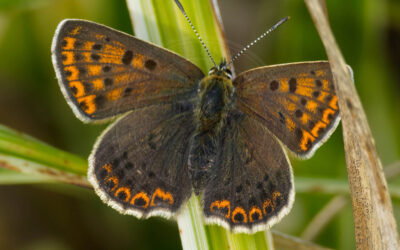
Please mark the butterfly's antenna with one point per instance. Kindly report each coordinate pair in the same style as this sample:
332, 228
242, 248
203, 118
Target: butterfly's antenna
195, 31
259, 38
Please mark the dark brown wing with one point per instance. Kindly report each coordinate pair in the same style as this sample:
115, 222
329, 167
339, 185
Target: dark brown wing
296, 102
252, 184
139, 165
103, 72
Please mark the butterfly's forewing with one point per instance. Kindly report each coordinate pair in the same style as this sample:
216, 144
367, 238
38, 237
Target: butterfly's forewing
103, 72
252, 184
297, 102
139, 165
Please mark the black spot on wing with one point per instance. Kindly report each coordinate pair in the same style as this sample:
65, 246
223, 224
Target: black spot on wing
127, 57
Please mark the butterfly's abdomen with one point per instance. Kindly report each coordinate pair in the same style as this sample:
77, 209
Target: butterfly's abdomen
215, 98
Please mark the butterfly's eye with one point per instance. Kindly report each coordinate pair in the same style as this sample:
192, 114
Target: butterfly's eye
228, 73
212, 71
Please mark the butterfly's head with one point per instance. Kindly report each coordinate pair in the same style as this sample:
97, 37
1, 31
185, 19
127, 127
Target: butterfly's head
221, 70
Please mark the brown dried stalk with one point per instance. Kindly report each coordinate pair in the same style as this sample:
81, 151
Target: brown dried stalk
375, 226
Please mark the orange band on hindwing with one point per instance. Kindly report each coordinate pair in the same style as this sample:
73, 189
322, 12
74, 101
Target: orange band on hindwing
255, 214
114, 180
165, 196
141, 199
239, 215
221, 205
124, 190
270, 205
108, 168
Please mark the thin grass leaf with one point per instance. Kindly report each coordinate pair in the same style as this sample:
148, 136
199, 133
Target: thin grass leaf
25, 154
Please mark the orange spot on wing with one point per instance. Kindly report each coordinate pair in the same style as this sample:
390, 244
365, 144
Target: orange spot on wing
94, 70
165, 196
325, 115
70, 43
80, 89
109, 49
304, 91
69, 57
107, 58
316, 128
74, 73
254, 210
117, 68
221, 204
99, 36
90, 106
284, 85
114, 94
242, 212
305, 140
122, 78
305, 118
311, 106
98, 84
125, 190
333, 102
325, 85
290, 124
86, 57
87, 45
138, 61
320, 73
294, 98
114, 180
267, 203
322, 96
143, 196
107, 167
275, 195
306, 82
290, 106
116, 43
75, 31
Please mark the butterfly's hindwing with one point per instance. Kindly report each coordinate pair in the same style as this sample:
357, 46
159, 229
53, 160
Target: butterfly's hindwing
139, 165
297, 102
103, 72
252, 185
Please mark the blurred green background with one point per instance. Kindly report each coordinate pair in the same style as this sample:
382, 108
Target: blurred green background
60, 216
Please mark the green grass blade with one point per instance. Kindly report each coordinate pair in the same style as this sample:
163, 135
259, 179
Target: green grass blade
25, 154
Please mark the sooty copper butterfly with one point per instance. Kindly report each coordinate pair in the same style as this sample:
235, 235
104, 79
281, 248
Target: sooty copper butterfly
182, 131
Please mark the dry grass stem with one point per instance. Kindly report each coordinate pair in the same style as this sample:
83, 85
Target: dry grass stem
375, 226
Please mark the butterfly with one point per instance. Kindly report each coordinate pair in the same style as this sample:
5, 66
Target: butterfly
180, 131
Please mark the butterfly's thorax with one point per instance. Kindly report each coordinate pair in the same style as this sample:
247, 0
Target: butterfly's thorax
215, 95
